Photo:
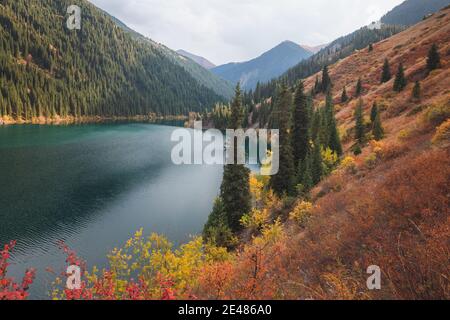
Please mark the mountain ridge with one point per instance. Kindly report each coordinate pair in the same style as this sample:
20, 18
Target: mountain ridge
205, 63
268, 65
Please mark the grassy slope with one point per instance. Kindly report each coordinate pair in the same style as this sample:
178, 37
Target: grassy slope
392, 213
391, 210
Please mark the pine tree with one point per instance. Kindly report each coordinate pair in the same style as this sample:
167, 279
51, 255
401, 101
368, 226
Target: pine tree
416, 92
316, 165
386, 74
235, 189
373, 112
359, 120
317, 86
216, 230
326, 80
344, 96
305, 172
377, 130
359, 88
334, 141
400, 80
301, 132
284, 181
434, 59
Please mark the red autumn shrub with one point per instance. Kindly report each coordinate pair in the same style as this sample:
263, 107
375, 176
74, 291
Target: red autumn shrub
10, 290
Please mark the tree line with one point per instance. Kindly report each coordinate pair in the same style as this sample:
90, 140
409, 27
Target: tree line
48, 70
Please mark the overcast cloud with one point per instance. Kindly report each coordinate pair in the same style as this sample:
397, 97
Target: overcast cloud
237, 30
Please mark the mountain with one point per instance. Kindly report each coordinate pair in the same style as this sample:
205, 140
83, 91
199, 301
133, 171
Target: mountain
313, 49
269, 65
203, 76
200, 60
331, 53
101, 70
412, 11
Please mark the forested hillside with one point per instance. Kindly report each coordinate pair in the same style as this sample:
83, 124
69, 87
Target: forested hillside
412, 11
200, 73
338, 49
49, 71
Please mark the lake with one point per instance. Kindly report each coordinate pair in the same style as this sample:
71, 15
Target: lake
92, 186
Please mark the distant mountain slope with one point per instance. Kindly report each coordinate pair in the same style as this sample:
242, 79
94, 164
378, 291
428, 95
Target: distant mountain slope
205, 77
205, 63
313, 49
412, 11
333, 52
269, 65
48, 71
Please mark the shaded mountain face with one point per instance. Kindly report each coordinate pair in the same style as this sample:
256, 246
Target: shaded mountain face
412, 11
194, 65
205, 63
264, 68
100, 70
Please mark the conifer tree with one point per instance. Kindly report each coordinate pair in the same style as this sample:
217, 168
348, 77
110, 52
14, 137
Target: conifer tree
386, 74
235, 189
377, 130
316, 163
284, 181
434, 59
301, 130
359, 88
317, 86
359, 120
416, 92
373, 112
216, 230
326, 80
344, 96
334, 141
400, 80
305, 172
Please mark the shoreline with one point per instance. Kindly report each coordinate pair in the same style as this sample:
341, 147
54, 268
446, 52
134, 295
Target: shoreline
4, 121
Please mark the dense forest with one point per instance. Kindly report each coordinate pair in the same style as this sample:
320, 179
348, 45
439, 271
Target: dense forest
48, 70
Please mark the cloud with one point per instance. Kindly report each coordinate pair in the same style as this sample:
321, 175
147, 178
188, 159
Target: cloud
237, 30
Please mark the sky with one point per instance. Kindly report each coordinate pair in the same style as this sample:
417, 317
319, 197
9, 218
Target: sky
238, 30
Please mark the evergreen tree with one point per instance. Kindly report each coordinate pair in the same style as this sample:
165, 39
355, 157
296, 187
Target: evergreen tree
284, 181
317, 86
334, 141
326, 80
359, 88
344, 96
302, 123
216, 230
434, 59
317, 163
377, 130
416, 92
386, 74
373, 112
400, 80
235, 189
305, 172
359, 120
